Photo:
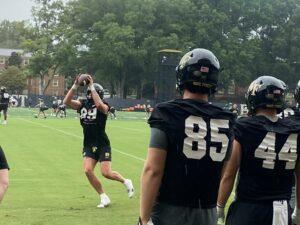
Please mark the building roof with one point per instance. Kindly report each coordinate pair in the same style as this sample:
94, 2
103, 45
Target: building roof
7, 52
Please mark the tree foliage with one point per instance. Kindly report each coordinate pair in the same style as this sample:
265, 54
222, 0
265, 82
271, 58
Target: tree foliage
118, 40
13, 79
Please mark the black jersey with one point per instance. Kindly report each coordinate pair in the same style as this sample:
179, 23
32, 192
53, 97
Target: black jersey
199, 136
93, 122
269, 154
4, 98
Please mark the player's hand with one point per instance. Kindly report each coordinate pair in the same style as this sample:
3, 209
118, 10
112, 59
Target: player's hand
296, 217
221, 215
76, 80
90, 79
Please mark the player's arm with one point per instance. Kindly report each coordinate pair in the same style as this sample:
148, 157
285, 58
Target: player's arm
97, 100
151, 180
68, 100
228, 178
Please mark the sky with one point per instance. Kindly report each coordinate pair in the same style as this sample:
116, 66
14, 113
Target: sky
13, 10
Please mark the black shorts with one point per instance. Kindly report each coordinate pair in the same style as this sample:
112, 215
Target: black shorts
252, 213
3, 161
98, 153
3, 107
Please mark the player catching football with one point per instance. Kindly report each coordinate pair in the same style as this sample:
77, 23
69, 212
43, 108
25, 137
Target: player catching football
190, 140
96, 145
266, 153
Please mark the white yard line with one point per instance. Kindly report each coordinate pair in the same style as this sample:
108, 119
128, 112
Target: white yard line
80, 137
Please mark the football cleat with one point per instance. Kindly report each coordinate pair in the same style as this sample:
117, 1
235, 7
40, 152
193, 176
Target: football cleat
129, 186
104, 202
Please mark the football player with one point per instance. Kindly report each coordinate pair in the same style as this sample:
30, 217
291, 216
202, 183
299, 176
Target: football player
54, 106
61, 111
96, 145
189, 142
4, 102
3, 174
294, 114
265, 152
42, 108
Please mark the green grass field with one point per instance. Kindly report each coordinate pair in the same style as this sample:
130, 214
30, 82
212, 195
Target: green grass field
47, 183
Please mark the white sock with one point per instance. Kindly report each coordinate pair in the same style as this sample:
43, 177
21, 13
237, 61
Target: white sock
103, 195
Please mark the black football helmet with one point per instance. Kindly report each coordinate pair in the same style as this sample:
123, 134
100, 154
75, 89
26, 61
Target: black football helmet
99, 89
198, 72
297, 93
266, 92
3, 89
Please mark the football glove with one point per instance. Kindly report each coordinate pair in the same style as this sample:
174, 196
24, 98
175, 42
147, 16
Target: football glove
221, 215
296, 217
148, 223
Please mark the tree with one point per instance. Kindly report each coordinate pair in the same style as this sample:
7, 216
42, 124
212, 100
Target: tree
15, 60
13, 79
44, 45
11, 34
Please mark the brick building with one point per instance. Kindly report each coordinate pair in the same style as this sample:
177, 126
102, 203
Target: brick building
56, 86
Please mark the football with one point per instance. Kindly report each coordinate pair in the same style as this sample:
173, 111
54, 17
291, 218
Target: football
83, 80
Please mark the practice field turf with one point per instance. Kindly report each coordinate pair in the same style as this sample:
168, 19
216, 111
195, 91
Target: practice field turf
47, 183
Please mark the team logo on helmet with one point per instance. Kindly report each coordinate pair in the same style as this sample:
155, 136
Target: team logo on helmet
254, 86
266, 92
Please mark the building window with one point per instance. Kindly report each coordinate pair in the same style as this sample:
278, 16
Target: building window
55, 93
55, 83
2, 60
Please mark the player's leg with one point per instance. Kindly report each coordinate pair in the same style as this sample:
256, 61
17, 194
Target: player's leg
89, 162
107, 172
3, 174
44, 114
5, 115
3, 182
89, 166
38, 115
57, 112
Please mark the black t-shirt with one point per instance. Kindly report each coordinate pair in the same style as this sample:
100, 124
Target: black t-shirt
93, 122
4, 98
199, 135
269, 154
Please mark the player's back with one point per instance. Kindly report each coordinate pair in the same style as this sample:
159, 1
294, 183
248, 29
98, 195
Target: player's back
198, 136
269, 154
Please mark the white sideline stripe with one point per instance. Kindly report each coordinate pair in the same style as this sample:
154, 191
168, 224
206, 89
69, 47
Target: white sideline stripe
76, 136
